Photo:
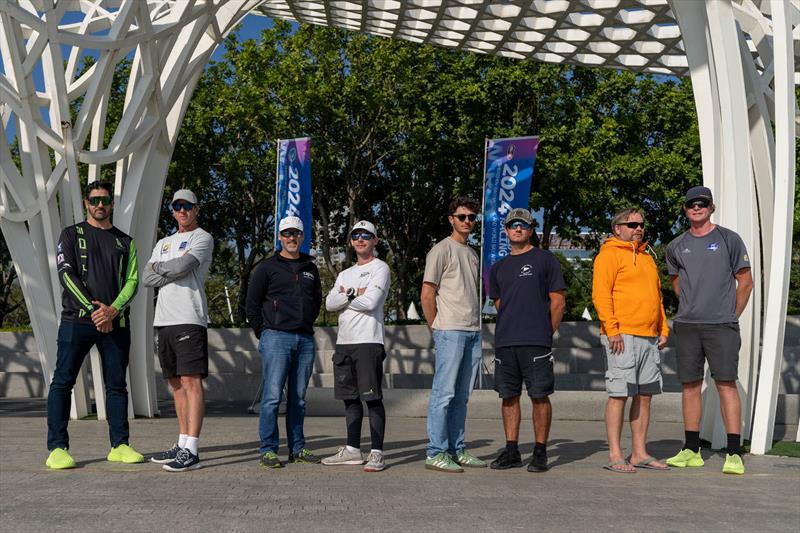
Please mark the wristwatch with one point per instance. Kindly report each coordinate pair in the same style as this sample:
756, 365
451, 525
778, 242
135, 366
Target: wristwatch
351, 294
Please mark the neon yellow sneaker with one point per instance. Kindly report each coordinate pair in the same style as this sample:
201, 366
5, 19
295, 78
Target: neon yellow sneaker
60, 459
733, 464
125, 454
686, 457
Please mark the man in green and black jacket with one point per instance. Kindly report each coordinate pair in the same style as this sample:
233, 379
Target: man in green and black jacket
98, 270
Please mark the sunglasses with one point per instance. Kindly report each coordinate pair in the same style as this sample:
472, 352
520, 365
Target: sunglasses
361, 236
462, 217
96, 200
186, 206
632, 225
694, 204
518, 224
291, 233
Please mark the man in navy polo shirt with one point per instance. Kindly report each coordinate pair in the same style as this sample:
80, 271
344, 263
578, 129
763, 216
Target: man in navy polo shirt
528, 290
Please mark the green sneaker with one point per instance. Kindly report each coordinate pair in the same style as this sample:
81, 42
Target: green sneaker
443, 463
270, 460
733, 464
60, 459
464, 458
686, 457
304, 456
125, 454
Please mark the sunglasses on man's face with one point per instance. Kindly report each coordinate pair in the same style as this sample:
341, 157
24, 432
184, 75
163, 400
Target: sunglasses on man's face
360, 236
186, 206
695, 204
632, 225
291, 233
462, 217
518, 224
96, 200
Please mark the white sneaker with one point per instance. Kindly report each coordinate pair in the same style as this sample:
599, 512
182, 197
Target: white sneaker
375, 462
344, 457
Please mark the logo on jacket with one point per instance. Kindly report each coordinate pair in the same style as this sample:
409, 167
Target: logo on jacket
308, 275
526, 270
119, 244
713, 247
165, 248
183, 245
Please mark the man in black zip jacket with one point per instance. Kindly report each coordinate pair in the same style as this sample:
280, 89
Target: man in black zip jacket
98, 270
283, 301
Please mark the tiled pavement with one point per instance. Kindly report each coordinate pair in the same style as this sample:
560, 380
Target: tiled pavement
231, 493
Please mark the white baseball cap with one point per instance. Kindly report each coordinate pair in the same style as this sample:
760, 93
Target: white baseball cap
291, 223
366, 226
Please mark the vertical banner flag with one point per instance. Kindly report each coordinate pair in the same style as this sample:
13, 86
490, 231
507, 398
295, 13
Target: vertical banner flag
293, 186
507, 180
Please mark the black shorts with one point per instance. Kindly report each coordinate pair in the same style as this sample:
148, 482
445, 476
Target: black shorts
358, 371
183, 350
716, 343
534, 364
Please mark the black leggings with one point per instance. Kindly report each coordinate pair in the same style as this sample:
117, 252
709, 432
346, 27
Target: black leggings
354, 414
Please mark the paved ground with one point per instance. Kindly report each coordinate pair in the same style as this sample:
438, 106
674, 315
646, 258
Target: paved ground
232, 494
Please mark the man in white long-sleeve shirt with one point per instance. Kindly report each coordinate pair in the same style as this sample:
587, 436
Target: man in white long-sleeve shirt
359, 293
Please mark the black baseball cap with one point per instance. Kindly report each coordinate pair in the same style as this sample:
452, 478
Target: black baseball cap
698, 193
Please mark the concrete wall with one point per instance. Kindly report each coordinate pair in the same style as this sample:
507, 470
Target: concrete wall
235, 365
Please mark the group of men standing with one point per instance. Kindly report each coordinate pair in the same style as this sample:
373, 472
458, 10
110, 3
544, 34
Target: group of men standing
708, 264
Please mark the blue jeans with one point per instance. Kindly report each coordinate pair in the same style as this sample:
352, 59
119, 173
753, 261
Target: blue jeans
284, 355
458, 356
74, 342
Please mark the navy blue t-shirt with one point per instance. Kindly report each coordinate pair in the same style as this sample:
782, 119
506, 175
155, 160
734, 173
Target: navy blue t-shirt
523, 284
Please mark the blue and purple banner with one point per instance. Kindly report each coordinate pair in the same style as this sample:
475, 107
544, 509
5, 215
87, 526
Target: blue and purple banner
293, 186
506, 185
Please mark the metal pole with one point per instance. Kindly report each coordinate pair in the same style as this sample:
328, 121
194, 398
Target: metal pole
480, 264
228, 300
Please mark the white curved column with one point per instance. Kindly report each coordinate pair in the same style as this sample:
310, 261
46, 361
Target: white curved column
171, 43
785, 20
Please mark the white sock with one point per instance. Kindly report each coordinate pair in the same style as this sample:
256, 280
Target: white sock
191, 444
182, 440
376, 451
351, 449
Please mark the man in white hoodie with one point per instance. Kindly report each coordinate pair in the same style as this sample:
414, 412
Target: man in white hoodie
360, 293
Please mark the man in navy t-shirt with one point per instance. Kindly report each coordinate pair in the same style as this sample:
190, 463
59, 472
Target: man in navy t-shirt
529, 293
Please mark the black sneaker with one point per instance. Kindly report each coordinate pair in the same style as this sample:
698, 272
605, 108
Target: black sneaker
538, 463
185, 460
270, 460
507, 460
167, 456
304, 456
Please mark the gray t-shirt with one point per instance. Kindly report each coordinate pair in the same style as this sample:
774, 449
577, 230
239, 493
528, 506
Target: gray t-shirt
453, 268
183, 301
705, 267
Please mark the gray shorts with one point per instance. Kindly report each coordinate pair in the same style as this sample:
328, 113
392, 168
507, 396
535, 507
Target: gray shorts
716, 343
637, 370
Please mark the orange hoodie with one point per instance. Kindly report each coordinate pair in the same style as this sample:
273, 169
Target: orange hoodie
626, 290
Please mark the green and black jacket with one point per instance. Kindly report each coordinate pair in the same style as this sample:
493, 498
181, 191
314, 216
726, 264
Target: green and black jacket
96, 264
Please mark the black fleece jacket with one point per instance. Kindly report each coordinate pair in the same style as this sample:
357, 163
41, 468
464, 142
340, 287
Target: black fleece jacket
284, 294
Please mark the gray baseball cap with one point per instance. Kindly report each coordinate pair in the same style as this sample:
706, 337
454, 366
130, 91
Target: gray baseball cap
185, 195
518, 213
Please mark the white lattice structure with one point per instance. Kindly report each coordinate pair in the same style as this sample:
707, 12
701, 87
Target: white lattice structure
739, 53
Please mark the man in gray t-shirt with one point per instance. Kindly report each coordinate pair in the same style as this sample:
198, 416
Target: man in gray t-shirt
450, 303
710, 272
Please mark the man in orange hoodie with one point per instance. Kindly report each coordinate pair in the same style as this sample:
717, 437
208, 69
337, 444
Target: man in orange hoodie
626, 292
